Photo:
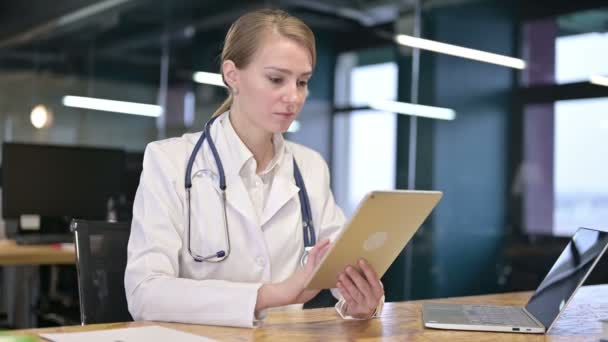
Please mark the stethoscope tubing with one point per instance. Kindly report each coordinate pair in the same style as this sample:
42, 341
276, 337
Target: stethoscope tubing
307, 222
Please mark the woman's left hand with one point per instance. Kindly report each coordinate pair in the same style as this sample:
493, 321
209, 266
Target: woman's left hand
362, 291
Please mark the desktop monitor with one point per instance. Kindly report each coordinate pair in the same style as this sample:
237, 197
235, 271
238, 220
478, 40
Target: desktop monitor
59, 181
133, 167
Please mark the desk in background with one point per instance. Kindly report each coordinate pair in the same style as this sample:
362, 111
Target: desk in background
20, 281
399, 322
12, 254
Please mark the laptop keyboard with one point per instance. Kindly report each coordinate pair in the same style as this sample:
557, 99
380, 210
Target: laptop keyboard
497, 315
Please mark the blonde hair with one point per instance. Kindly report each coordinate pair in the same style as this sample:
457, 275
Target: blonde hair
245, 35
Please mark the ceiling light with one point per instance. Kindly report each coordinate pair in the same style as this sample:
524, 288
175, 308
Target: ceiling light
208, 78
414, 109
599, 80
455, 50
113, 106
41, 117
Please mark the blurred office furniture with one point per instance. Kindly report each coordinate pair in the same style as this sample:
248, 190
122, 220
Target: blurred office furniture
45, 186
527, 259
400, 321
101, 259
20, 281
12, 254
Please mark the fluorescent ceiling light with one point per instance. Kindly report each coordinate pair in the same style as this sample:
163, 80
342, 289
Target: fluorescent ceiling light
455, 50
414, 109
112, 106
208, 78
599, 80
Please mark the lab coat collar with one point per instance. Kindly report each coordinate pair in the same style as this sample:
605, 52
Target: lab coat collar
238, 151
242, 155
283, 187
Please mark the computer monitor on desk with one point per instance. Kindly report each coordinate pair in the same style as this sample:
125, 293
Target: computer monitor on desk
53, 184
133, 167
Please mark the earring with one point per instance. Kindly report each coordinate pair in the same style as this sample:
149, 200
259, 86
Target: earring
235, 91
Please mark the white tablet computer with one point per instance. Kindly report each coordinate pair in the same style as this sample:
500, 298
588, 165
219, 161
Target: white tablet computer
378, 231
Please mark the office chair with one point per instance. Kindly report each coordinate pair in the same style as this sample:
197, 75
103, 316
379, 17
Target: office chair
101, 259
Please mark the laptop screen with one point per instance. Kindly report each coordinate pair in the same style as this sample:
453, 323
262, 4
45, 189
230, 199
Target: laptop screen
567, 274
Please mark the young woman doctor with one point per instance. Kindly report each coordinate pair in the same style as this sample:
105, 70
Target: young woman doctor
225, 220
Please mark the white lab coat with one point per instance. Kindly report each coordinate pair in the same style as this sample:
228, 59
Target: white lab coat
164, 283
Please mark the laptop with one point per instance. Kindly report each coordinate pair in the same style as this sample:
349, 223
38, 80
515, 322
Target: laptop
382, 225
546, 304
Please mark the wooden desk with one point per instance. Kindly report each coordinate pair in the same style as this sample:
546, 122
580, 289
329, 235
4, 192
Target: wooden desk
12, 254
399, 322
20, 281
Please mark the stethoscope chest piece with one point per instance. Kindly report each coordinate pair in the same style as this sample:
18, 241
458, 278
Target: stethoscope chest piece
304, 258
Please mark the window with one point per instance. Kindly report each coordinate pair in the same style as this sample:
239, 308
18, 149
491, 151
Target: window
581, 165
365, 140
565, 49
580, 56
566, 141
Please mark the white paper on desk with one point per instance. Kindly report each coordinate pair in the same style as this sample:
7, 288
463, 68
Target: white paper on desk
138, 334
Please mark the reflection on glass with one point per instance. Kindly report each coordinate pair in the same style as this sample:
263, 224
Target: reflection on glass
567, 274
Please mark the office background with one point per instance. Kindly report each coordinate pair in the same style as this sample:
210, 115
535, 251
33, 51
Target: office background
522, 164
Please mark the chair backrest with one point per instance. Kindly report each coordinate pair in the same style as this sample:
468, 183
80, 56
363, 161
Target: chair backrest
101, 259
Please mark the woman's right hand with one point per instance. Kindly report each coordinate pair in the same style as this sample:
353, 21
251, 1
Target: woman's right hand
292, 290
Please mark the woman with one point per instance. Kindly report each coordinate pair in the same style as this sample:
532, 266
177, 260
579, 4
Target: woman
223, 218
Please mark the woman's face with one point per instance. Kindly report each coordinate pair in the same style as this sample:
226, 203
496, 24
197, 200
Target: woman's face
273, 87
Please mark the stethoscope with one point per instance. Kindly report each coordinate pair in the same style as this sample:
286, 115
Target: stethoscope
221, 255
